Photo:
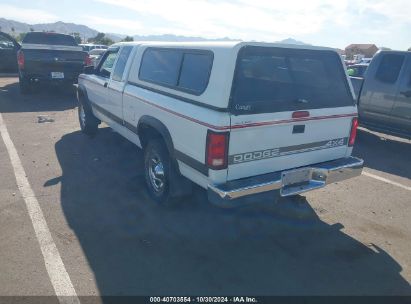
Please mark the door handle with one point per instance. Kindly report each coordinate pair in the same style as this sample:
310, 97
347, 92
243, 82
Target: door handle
105, 84
406, 94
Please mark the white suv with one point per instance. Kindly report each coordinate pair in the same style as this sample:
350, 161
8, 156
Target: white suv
246, 121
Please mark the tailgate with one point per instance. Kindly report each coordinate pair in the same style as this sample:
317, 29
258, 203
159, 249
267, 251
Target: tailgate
270, 143
44, 61
290, 108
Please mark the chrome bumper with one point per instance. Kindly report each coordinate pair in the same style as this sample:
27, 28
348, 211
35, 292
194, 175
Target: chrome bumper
321, 174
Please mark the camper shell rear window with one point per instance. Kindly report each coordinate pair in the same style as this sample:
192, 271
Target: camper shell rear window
273, 79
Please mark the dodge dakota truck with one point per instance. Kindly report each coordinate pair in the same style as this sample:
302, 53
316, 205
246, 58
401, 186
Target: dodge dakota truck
384, 94
245, 121
47, 57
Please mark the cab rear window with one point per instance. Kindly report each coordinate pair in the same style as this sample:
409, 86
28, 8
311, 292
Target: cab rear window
280, 79
49, 39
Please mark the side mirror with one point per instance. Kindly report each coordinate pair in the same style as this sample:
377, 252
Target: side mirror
89, 70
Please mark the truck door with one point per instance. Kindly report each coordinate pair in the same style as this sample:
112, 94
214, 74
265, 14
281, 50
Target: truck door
401, 113
98, 83
117, 82
380, 90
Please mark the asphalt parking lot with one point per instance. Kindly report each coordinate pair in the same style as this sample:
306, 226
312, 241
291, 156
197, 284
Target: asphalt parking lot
351, 238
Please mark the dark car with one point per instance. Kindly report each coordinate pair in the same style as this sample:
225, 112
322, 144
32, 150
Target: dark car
384, 95
49, 58
8, 51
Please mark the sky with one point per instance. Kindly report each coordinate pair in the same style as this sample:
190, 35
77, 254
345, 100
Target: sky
333, 23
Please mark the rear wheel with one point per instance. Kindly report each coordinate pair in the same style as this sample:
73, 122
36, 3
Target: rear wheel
88, 122
25, 85
158, 171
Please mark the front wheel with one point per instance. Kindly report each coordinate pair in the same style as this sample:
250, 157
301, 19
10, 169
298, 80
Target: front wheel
88, 122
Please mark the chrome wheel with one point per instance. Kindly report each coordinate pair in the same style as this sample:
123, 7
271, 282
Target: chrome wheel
156, 173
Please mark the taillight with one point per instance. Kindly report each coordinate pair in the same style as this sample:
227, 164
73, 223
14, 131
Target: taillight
217, 150
20, 59
353, 132
87, 60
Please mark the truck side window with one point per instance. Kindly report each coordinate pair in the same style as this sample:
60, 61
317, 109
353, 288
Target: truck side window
121, 63
106, 66
390, 68
186, 70
195, 72
161, 66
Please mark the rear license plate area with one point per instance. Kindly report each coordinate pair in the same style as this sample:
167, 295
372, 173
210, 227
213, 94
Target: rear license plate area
57, 75
296, 177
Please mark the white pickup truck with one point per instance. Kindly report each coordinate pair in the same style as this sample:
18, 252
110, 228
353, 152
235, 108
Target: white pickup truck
246, 121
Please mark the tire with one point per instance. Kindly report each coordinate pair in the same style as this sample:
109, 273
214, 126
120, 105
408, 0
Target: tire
88, 122
159, 172
25, 85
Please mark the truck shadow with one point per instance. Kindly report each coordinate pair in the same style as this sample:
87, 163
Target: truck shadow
137, 248
42, 99
384, 153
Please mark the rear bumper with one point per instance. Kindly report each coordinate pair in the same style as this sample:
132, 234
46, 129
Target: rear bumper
271, 185
45, 77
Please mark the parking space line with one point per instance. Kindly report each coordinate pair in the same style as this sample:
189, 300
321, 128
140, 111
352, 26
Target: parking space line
385, 180
55, 267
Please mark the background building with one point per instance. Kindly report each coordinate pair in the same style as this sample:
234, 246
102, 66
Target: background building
368, 50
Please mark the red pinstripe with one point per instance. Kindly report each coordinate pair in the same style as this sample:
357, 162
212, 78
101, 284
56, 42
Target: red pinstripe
249, 125
277, 122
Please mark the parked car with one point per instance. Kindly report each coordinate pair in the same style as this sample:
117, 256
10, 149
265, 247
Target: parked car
357, 59
384, 95
365, 60
246, 121
49, 58
357, 70
8, 53
101, 46
95, 55
87, 47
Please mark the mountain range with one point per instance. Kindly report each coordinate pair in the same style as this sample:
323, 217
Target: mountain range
15, 28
